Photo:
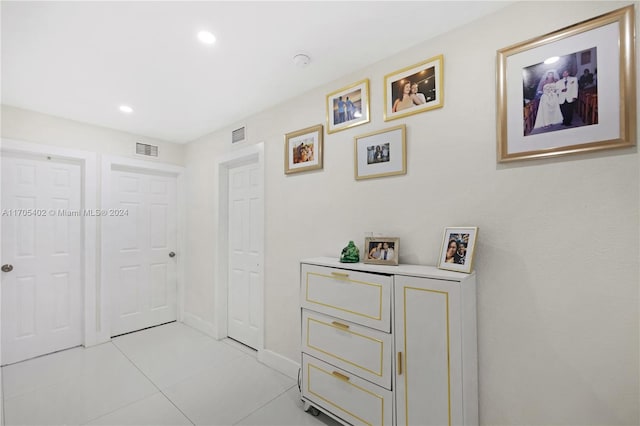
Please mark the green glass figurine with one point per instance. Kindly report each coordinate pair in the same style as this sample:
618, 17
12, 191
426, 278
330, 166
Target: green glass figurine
350, 254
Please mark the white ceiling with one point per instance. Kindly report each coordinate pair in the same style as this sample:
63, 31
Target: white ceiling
81, 60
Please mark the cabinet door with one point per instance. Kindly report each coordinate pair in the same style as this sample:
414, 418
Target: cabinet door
428, 346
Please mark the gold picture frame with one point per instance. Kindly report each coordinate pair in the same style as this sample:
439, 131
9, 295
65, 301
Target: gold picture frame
381, 153
588, 70
303, 150
426, 89
462, 242
348, 107
381, 250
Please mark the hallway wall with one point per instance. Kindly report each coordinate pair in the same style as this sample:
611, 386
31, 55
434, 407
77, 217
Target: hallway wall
558, 246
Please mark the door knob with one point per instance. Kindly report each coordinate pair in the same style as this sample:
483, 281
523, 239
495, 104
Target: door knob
7, 268
172, 254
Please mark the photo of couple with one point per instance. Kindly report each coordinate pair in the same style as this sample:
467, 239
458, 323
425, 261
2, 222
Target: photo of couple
561, 93
381, 251
378, 153
414, 90
457, 249
347, 107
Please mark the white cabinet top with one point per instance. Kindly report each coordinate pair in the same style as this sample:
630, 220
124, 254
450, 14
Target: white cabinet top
402, 269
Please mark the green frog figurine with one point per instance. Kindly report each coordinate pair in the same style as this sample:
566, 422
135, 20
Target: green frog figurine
350, 254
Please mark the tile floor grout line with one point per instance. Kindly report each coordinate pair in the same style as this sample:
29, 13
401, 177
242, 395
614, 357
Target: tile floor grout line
154, 384
266, 403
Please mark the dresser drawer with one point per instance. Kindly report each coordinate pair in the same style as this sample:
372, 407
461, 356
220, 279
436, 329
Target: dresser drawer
357, 401
361, 350
359, 297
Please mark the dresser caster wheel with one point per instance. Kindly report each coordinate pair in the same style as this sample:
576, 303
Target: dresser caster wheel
310, 409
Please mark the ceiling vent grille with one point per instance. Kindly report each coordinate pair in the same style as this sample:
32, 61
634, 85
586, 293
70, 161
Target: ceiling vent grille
238, 135
145, 149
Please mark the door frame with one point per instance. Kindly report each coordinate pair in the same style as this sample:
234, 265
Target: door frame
110, 162
253, 154
89, 232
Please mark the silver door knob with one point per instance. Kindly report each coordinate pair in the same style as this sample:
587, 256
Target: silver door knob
172, 254
7, 268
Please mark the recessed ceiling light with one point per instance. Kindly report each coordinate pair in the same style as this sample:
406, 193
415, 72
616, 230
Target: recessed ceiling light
126, 109
206, 37
551, 60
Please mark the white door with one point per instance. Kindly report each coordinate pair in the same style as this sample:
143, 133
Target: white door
245, 251
141, 258
41, 240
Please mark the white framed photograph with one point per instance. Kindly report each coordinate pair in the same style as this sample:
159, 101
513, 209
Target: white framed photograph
381, 153
458, 246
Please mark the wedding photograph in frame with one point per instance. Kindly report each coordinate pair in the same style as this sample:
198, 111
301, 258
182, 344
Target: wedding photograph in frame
381, 250
570, 91
458, 246
348, 107
303, 150
381, 153
414, 89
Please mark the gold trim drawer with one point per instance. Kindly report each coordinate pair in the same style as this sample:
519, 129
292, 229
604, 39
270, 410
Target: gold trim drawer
361, 350
359, 297
351, 398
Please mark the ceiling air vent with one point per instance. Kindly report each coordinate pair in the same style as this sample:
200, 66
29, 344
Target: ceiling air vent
238, 135
145, 149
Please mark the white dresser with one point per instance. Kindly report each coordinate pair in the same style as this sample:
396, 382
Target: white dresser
388, 345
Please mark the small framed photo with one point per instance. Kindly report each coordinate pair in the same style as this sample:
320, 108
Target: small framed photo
417, 88
381, 153
303, 150
348, 107
458, 246
381, 250
570, 91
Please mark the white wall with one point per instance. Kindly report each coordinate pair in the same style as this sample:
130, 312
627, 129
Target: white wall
558, 249
30, 126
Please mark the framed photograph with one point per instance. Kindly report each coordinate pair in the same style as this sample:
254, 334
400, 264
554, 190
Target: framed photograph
303, 150
414, 89
570, 91
348, 107
381, 250
458, 246
381, 153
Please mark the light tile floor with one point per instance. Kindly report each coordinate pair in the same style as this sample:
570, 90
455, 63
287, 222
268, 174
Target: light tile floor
167, 375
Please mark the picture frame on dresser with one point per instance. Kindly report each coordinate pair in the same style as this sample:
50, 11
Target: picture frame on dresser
381, 250
569, 91
458, 248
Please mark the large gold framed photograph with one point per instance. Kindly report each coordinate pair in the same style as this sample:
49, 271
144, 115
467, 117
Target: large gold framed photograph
303, 150
569, 91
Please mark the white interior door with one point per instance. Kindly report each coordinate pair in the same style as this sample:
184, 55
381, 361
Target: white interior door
41, 239
142, 234
245, 253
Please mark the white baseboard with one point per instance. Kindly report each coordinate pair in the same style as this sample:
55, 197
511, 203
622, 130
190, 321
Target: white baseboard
199, 324
280, 363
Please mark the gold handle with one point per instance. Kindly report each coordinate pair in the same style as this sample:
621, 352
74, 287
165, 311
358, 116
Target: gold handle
340, 275
341, 376
340, 325
399, 363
